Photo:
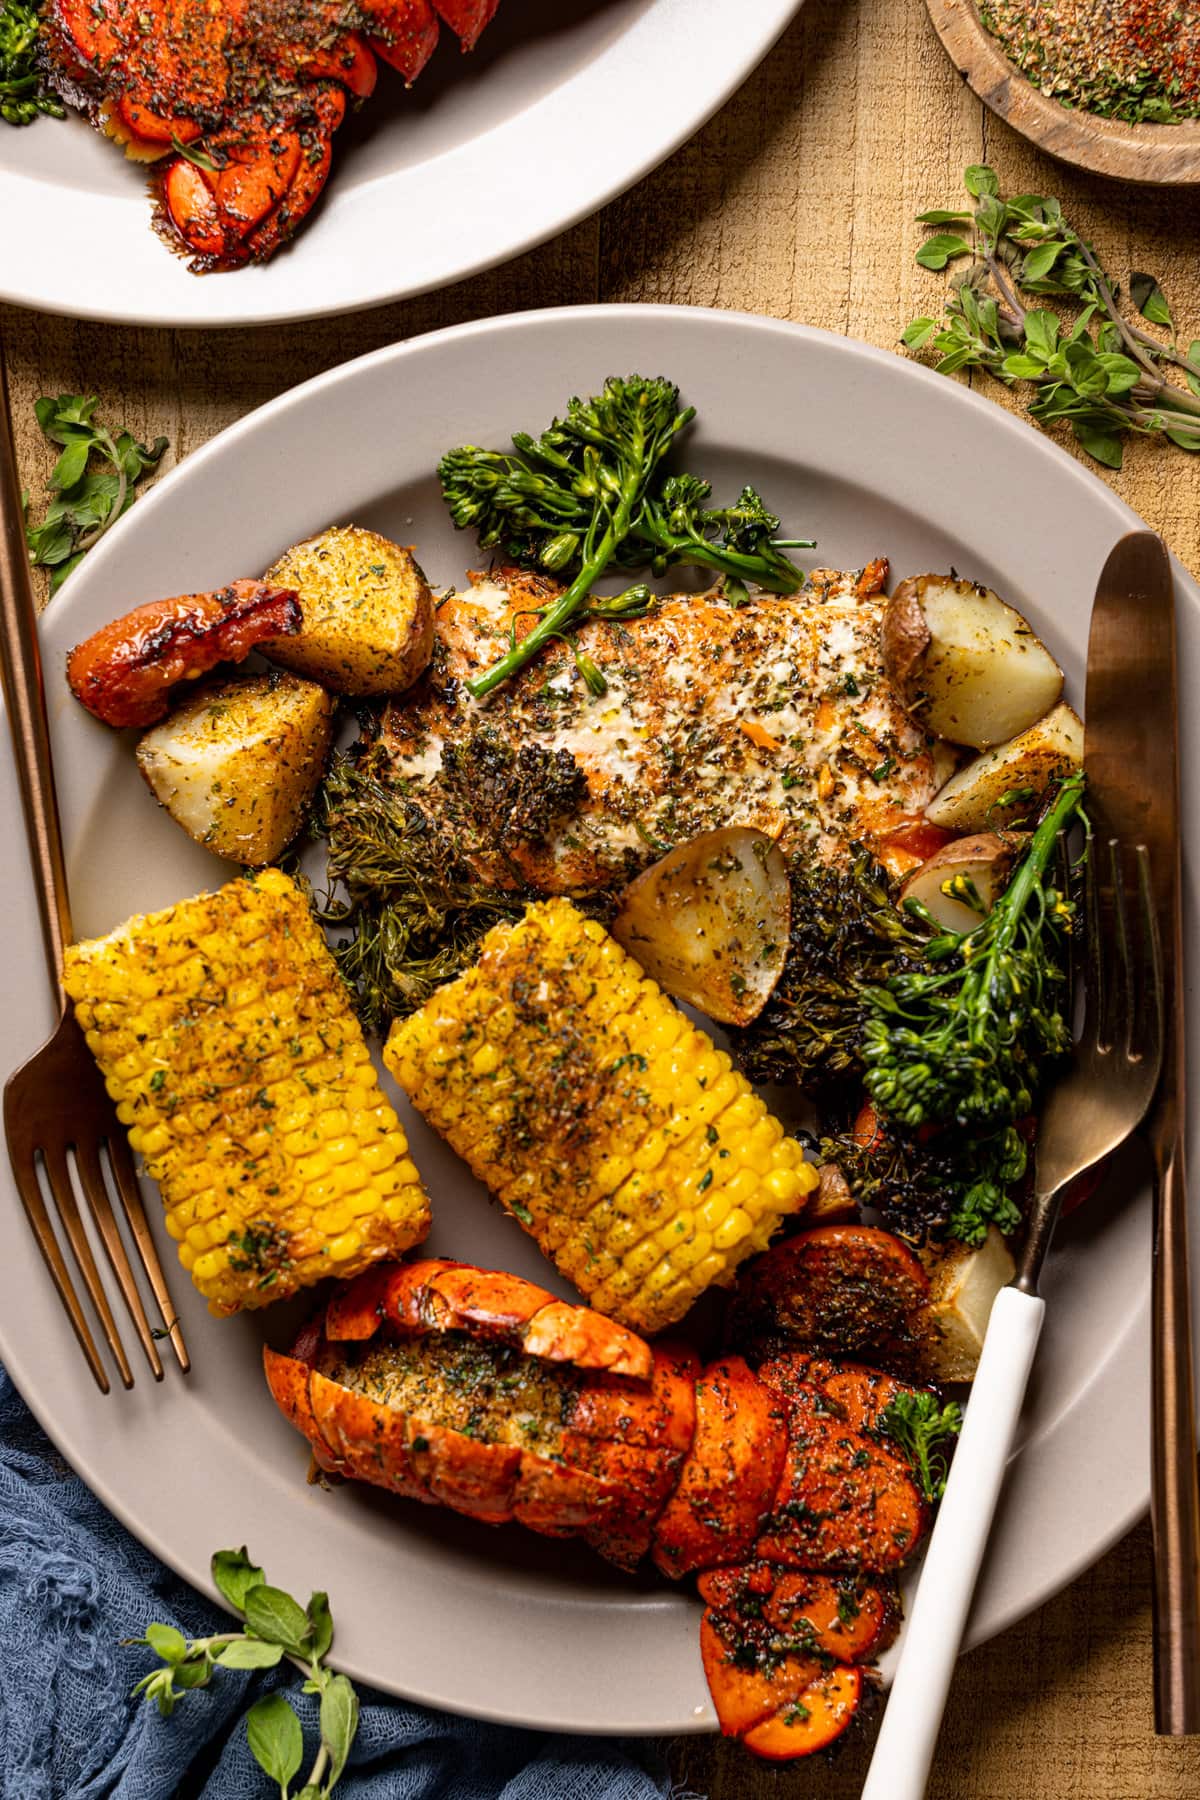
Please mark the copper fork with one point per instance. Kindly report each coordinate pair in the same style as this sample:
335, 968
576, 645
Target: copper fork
56, 1107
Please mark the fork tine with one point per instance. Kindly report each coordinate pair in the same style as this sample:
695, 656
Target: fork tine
58, 1175
126, 1179
1095, 987
30, 1191
1064, 878
1122, 993
91, 1180
1150, 1036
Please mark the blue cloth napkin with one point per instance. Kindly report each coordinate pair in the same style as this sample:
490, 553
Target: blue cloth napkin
73, 1583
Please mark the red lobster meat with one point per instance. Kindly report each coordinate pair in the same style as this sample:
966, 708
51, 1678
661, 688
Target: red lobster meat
480, 1391
239, 98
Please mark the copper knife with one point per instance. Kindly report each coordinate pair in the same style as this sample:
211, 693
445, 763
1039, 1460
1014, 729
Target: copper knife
1131, 758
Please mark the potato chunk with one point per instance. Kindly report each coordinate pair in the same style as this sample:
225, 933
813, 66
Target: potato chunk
238, 761
368, 613
963, 1284
970, 868
710, 922
967, 664
1048, 751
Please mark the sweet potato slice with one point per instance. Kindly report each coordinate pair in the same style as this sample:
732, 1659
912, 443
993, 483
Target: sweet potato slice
729, 1476
861, 1395
812, 1722
835, 1288
746, 1688
843, 1502
845, 1616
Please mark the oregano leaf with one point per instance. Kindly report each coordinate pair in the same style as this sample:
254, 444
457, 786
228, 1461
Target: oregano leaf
274, 1616
250, 1653
980, 180
166, 1642
234, 1574
339, 1723
1149, 298
918, 333
320, 1626
275, 1738
937, 251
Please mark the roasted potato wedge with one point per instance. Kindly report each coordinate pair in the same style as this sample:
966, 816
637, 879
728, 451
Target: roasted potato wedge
368, 613
969, 665
970, 868
710, 922
1046, 752
236, 763
948, 1331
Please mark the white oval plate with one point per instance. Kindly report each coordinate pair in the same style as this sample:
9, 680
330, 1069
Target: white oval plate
558, 109
858, 448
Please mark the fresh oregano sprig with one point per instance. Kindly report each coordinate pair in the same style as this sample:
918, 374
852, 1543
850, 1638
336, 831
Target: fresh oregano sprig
1103, 374
92, 483
277, 1627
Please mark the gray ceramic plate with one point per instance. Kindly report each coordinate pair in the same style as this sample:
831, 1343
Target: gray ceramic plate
855, 447
559, 108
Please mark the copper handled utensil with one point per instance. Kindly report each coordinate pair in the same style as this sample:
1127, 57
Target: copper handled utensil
1089, 1113
56, 1107
1132, 761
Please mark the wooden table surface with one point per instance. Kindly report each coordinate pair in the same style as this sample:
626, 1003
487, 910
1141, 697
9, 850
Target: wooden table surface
797, 201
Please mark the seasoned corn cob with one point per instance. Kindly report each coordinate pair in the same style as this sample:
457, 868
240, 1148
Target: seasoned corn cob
616, 1132
225, 1036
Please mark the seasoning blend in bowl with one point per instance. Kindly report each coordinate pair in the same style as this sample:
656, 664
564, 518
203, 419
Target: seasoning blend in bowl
1137, 60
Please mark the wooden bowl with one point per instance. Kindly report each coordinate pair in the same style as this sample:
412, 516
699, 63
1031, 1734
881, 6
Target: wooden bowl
1162, 155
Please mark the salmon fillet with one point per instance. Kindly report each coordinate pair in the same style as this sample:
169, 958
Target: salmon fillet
775, 714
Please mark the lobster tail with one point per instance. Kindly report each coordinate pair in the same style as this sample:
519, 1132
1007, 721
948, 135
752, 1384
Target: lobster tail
480, 1391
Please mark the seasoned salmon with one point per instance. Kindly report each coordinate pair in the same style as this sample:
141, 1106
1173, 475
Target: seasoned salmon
775, 714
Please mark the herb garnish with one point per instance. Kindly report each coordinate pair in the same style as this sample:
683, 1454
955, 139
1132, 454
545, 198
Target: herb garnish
923, 1431
87, 499
589, 495
23, 90
276, 1627
1103, 374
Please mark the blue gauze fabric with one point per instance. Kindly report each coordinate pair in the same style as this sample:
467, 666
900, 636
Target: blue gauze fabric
73, 1583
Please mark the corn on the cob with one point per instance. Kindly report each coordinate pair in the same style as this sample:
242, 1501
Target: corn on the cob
225, 1036
616, 1132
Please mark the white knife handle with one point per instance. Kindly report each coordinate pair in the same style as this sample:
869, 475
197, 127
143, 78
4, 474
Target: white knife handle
933, 1630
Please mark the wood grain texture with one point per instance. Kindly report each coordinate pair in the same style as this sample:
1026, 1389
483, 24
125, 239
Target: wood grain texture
797, 201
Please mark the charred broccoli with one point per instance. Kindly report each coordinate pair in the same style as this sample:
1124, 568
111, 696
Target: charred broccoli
846, 934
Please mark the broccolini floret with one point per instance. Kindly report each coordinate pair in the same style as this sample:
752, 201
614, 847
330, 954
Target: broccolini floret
964, 1040
588, 495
